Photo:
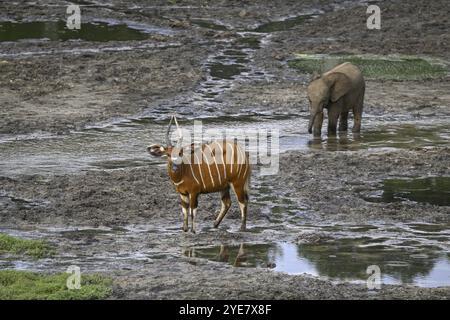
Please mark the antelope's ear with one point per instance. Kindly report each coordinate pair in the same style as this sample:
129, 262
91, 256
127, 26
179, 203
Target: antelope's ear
156, 150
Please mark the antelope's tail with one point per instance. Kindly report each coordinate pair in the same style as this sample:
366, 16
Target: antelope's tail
249, 174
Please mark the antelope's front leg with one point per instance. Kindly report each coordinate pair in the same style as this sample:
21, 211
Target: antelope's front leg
185, 209
193, 209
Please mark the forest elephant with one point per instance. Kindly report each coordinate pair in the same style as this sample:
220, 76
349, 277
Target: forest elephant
339, 90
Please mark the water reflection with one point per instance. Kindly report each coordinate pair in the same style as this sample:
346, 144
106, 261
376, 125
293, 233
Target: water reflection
340, 142
343, 259
398, 136
433, 190
57, 30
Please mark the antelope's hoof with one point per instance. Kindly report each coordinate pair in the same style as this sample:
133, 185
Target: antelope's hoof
185, 228
243, 229
216, 224
193, 231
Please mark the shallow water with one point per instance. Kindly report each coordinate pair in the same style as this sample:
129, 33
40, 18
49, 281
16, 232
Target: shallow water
57, 31
123, 144
407, 256
433, 190
283, 25
415, 253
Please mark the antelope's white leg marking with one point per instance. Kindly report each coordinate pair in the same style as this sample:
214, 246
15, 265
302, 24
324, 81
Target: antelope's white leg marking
185, 211
217, 167
193, 215
208, 165
200, 169
185, 200
241, 208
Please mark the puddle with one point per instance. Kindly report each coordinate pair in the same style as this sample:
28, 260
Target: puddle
57, 31
433, 190
208, 24
226, 71
282, 25
341, 259
378, 135
388, 67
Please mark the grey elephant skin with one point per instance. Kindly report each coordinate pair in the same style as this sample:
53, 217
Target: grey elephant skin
338, 90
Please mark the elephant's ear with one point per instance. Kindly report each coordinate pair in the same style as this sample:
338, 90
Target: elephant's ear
339, 83
316, 75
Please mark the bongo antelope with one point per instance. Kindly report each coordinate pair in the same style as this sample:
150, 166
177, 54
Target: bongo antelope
206, 168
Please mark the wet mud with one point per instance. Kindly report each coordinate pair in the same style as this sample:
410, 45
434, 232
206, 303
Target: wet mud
80, 111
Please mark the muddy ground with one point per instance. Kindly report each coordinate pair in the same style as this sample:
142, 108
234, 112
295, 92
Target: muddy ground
63, 88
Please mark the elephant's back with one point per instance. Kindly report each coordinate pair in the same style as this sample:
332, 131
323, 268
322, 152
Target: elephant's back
352, 71
347, 68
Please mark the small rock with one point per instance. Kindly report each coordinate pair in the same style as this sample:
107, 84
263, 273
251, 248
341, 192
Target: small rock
242, 13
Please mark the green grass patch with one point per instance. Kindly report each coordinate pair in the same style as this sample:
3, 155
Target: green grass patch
34, 248
24, 285
374, 67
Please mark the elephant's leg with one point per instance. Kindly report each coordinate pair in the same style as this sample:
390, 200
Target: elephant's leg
317, 130
357, 121
343, 121
333, 116
357, 112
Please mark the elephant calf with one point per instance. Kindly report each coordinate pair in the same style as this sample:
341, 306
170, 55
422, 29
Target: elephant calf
338, 90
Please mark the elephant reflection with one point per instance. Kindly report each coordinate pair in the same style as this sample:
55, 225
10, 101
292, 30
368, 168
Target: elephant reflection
341, 142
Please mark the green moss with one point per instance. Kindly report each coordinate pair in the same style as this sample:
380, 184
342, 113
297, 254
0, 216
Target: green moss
23, 285
373, 67
33, 248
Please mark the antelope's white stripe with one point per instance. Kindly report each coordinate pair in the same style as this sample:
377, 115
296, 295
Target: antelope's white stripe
232, 156
217, 167
178, 183
208, 165
193, 174
238, 157
240, 164
246, 167
200, 168
245, 164
223, 160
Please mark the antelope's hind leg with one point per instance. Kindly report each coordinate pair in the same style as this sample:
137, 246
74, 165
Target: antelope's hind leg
185, 209
226, 203
242, 196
